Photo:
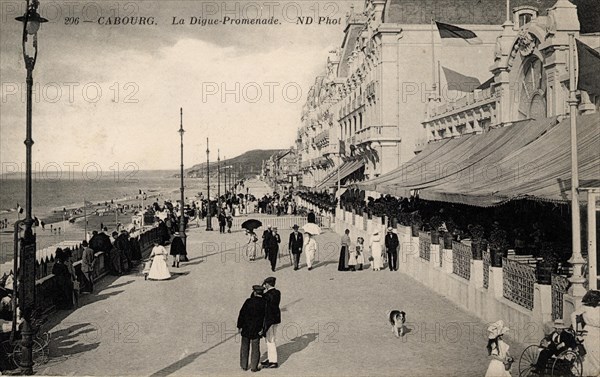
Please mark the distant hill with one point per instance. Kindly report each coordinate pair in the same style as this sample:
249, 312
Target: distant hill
250, 164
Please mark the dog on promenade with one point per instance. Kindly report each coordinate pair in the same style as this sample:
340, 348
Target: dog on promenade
397, 319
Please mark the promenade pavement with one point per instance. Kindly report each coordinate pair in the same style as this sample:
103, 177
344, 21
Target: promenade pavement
333, 323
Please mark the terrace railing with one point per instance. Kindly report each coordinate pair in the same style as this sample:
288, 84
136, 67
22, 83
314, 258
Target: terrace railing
461, 258
424, 246
560, 285
518, 282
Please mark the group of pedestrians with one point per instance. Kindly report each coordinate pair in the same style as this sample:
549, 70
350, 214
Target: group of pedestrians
258, 318
352, 257
297, 243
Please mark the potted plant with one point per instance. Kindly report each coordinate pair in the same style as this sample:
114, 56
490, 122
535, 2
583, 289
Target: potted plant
498, 246
448, 234
416, 223
404, 219
435, 223
477, 232
548, 264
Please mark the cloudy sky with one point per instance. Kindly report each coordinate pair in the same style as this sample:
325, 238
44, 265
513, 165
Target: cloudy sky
111, 94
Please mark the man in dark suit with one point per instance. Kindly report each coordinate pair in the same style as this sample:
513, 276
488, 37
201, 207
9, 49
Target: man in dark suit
274, 242
272, 319
250, 323
391, 247
295, 246
266, 241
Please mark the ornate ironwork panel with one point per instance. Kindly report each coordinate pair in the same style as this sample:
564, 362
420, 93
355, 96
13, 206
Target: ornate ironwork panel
486, 268
424, 245
518, 282
560, 285
461, 259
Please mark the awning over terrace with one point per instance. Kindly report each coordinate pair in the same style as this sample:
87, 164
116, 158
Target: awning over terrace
526, 160
345, 169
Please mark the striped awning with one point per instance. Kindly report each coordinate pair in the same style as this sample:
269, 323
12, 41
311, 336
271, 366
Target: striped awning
345, 170
526, 160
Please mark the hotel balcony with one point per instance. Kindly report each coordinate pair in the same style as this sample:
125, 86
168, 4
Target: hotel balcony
320, 161
322, 139
376, 134
470, 101
330, 148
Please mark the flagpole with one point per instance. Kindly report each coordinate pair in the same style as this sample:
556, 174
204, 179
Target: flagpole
433, 56
439, 79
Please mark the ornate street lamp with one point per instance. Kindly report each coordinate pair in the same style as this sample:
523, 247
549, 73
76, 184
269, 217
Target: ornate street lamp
31, 24
225, 177
208, 214
181, 208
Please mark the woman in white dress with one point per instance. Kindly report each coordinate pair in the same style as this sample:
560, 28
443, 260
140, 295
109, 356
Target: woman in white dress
376, 251
498, 351
159, 269
310, 249
251, 246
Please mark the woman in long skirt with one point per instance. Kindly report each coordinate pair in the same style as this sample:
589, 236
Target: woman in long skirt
359, 253
159, 269
376, 252
251, 246
344, 251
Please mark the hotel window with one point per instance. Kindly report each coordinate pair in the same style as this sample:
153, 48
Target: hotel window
523, 15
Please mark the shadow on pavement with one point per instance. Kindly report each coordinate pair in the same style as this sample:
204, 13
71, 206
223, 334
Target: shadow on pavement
323, 264
285, 307
295, 345
192, 263
187, 360
67, 341
175, 275
119, 285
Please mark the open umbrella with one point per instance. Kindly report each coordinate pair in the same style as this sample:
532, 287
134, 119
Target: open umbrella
251, 224
312, 228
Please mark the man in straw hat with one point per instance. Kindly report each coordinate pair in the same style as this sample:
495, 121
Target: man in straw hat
250, 324
558, 341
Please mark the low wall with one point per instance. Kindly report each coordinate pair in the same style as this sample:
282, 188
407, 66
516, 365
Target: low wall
489, 303
46, 286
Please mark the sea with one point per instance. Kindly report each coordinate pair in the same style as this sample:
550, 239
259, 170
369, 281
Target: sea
53, 194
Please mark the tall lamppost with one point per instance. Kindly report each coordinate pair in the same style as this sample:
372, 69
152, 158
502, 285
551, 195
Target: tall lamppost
208, 214
31, 24
181, 208
219, 177
225, 177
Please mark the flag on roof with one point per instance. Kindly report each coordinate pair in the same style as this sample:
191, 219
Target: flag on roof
458, 81
452, 31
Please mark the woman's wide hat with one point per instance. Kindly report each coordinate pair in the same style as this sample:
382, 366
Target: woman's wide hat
496, 329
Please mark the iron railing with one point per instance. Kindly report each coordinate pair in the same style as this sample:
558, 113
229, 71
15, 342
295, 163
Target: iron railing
518, 282
461, 260
486, 268
424, 246
560, 285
